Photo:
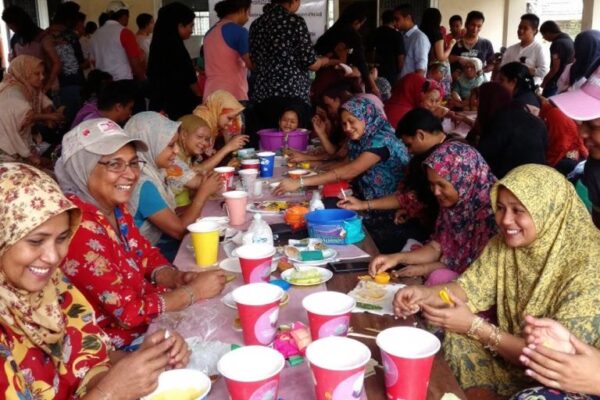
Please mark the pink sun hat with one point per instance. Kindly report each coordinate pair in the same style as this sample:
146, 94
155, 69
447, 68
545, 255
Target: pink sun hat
582, 104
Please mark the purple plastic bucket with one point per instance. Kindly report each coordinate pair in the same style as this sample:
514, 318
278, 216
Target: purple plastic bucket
272, 139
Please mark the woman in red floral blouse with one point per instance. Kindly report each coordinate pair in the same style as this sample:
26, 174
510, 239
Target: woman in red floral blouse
128, 281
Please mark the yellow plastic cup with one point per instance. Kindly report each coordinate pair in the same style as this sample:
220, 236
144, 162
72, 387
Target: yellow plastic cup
205, 240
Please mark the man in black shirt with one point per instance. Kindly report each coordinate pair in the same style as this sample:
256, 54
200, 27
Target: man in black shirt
562, 51
471, 45
389, 48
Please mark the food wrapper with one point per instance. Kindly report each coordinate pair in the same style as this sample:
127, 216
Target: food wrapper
374, 298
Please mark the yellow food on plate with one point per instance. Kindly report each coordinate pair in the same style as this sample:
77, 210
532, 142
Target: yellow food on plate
190, 393
305, 277
382, 277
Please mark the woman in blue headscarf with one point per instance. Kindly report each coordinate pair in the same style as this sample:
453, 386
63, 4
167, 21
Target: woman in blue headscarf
376, 157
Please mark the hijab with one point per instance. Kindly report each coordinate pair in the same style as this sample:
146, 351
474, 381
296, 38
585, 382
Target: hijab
587, 55
190, 123
557, 275
18, 74
30, 198
157, 131
464, 229
493, 97
216, 104
406, 95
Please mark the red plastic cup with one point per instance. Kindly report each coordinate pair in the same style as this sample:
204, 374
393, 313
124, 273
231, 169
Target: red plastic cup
407, 355
255, 261
328, 313
252, 372
253, 163
338, 367
258, 307
226, 174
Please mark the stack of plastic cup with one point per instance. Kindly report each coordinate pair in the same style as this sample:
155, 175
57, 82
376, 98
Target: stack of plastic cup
205, 241
258, 307
236, 202
407, 355
248, 177
267, 163
338, 366
252, 372
255, 262
328, 313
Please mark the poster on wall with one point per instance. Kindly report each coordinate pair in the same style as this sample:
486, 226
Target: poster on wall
314, 13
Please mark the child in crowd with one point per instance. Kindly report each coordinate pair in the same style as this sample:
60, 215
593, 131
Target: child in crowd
471, 78
115, 102
289, 120
436, 71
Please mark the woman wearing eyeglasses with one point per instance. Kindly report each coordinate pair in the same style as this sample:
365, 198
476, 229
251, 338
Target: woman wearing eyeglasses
128, 281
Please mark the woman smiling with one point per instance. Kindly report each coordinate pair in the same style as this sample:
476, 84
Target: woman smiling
127, 280
543, 263
152, 203
50, 344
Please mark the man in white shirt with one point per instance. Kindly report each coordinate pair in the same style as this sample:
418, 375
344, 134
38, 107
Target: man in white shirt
528, 51
416, 43
114, 47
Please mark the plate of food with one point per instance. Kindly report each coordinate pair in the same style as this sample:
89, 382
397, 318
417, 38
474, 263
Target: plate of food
374, 298
309, 252
306, 275
229, 302
272, 206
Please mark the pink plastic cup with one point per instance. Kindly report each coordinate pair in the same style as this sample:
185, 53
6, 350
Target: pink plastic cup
255, 261
258, 307
226, 174
328, 313
252, 372
338, 367
236, 202
407, 355
253, 163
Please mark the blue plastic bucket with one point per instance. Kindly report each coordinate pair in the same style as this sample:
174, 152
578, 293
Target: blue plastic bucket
335, 226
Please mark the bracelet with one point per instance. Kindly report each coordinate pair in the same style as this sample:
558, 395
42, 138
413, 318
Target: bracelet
301, 183
162, 304
159, 269
190, 293
494, 340
474, 329
104, 395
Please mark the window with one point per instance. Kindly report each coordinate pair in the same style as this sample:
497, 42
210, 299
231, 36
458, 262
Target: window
201, 23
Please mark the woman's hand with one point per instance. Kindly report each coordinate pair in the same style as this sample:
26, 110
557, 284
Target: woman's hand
236, 142
455, 318
208, 284
319, 126
352, 203
409, 299
185, 277
576, 373
287, 185
136, 374
179, 353
210, 183
400, 216
382, 263
549, 333
414, 270
295, 156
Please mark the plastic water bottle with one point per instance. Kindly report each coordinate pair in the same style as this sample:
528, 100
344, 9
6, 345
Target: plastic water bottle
261, 231
315, 202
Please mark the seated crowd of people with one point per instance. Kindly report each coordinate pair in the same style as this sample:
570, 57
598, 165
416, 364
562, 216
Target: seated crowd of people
109, 139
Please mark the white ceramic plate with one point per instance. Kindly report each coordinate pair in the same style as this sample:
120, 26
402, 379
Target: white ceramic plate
232, 264
229, 302
329, 254
288, 274
252, 208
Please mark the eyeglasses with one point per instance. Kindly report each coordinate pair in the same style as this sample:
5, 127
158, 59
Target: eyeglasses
119, 166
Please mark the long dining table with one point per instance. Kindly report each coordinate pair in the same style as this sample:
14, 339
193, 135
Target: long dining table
212, 321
